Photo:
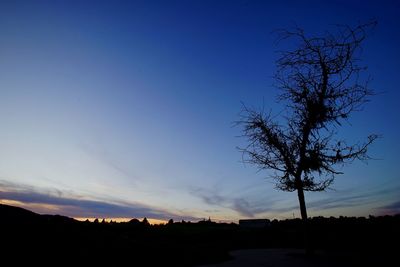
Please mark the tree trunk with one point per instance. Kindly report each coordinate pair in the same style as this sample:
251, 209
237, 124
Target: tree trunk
304, 218
302, 202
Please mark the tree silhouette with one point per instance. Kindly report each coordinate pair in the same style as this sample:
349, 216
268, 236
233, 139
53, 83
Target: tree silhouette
145, 221
321, 84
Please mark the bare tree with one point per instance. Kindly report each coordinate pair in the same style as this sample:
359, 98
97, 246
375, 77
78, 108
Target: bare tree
321, 83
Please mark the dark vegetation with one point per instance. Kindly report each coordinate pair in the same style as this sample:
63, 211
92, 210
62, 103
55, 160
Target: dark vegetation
27, 237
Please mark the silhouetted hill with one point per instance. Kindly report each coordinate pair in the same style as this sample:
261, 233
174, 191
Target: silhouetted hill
58, 218
15, 214
10, 214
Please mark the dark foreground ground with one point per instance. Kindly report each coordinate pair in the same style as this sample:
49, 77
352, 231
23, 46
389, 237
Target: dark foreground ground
38, 240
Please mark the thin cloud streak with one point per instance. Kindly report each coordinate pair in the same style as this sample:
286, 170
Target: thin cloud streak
238, 204
392, 208
213, 198
101, 155
342, 199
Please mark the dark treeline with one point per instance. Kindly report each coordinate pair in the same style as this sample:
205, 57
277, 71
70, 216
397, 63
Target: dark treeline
27, 237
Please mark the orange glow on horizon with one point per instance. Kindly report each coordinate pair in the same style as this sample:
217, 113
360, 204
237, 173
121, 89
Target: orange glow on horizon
91, 219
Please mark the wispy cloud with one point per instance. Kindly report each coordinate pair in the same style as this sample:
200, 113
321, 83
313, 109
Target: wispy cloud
340, 201
100, 154
392, 208
354, 198
243, 207
238, 203
214, 198
333, 200
77, 206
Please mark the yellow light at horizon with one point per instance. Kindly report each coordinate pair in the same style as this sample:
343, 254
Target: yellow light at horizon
122, 219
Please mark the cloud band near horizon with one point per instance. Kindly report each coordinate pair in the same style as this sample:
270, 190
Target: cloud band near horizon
42, 201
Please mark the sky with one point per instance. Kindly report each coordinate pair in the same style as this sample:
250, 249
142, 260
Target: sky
126, 109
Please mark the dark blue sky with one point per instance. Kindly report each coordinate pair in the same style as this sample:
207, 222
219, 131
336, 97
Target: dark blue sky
134, 101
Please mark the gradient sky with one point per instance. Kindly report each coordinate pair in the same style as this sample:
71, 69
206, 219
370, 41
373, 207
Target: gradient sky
126, 108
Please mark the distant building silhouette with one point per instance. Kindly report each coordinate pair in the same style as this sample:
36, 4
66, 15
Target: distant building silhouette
254, 223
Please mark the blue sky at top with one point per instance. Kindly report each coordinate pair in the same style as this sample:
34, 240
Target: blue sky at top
132, 103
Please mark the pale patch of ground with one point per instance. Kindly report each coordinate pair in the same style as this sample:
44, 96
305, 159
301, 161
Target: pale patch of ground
281, 258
